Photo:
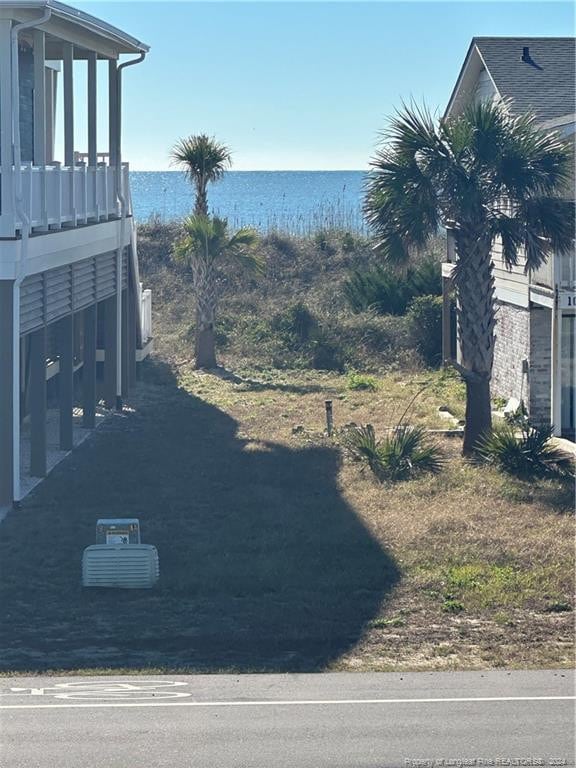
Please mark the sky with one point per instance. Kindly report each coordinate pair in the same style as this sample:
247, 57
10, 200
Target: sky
295, 85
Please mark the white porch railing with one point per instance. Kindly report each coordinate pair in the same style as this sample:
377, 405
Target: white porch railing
146, 314
57, 196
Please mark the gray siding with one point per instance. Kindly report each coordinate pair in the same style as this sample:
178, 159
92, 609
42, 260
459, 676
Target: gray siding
26, 77
49, 296
540, 364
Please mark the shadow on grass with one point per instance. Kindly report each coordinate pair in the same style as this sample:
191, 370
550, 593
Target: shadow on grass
253, 385
555, 494
263, 564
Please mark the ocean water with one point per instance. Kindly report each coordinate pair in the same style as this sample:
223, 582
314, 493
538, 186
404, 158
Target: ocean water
298, 202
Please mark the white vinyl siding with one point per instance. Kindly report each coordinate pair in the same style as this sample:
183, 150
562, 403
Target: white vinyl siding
484, 90
512, 284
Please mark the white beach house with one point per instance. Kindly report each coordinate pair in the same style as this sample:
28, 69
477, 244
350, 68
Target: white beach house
535, 352
73, 318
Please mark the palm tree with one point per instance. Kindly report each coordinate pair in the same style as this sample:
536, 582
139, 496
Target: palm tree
485, 174
205, 245
203, 160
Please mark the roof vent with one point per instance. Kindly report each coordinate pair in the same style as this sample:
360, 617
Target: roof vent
526, 54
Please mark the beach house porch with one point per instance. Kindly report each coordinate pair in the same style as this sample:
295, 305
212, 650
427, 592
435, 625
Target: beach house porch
74, 320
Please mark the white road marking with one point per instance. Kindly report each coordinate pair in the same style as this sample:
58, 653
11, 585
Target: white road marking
289, 703
104, 690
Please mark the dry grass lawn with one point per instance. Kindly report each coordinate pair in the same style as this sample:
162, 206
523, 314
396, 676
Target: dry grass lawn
486, 561
277, 553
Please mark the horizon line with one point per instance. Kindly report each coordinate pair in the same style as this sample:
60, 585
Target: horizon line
261, 170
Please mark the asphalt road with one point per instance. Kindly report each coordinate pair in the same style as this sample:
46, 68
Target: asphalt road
413, 720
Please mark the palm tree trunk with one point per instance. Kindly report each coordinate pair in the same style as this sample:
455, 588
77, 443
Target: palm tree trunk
201, 202
478, 414
205, 290
205, 346
474, 283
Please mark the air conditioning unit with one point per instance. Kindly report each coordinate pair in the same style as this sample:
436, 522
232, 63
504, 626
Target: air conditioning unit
134, 566
121, 530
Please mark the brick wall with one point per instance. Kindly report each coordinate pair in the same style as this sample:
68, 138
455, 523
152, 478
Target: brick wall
523, 334
540, 364
512, 347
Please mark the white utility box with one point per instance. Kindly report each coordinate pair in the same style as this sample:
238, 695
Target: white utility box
133, 566
120, 530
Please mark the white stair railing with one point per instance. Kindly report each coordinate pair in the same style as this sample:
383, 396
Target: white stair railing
146, 315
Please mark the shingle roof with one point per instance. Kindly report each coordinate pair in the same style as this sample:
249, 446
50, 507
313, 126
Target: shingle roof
546, 85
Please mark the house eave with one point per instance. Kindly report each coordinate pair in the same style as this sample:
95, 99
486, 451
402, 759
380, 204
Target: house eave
119, 41
467, 79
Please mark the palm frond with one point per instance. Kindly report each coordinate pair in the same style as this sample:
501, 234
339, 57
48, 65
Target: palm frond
403, 453
246, 237
549, 227
401, 204
201, 156
208, 238
408, 451
528, 454
182, 249
512, 235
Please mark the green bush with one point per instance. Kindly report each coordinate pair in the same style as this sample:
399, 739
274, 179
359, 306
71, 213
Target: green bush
296, 321
389, 291
378, 288
425, 321
324, 242
452, 606
403, 453
525, 452
349, 243
327, 353
293, 338
155, 243
360, 381
283, 245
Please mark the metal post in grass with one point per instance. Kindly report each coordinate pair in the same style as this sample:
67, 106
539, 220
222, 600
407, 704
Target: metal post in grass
329, 417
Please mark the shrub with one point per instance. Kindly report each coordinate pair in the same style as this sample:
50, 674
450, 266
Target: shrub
361, 381
388, 291
282, 244
426, 278
425, 322
324, 242
297, 321
155, 243
378, 288
327, 355
299, 339
381, 336
529, 454
349, 243
403, 453
452, 606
